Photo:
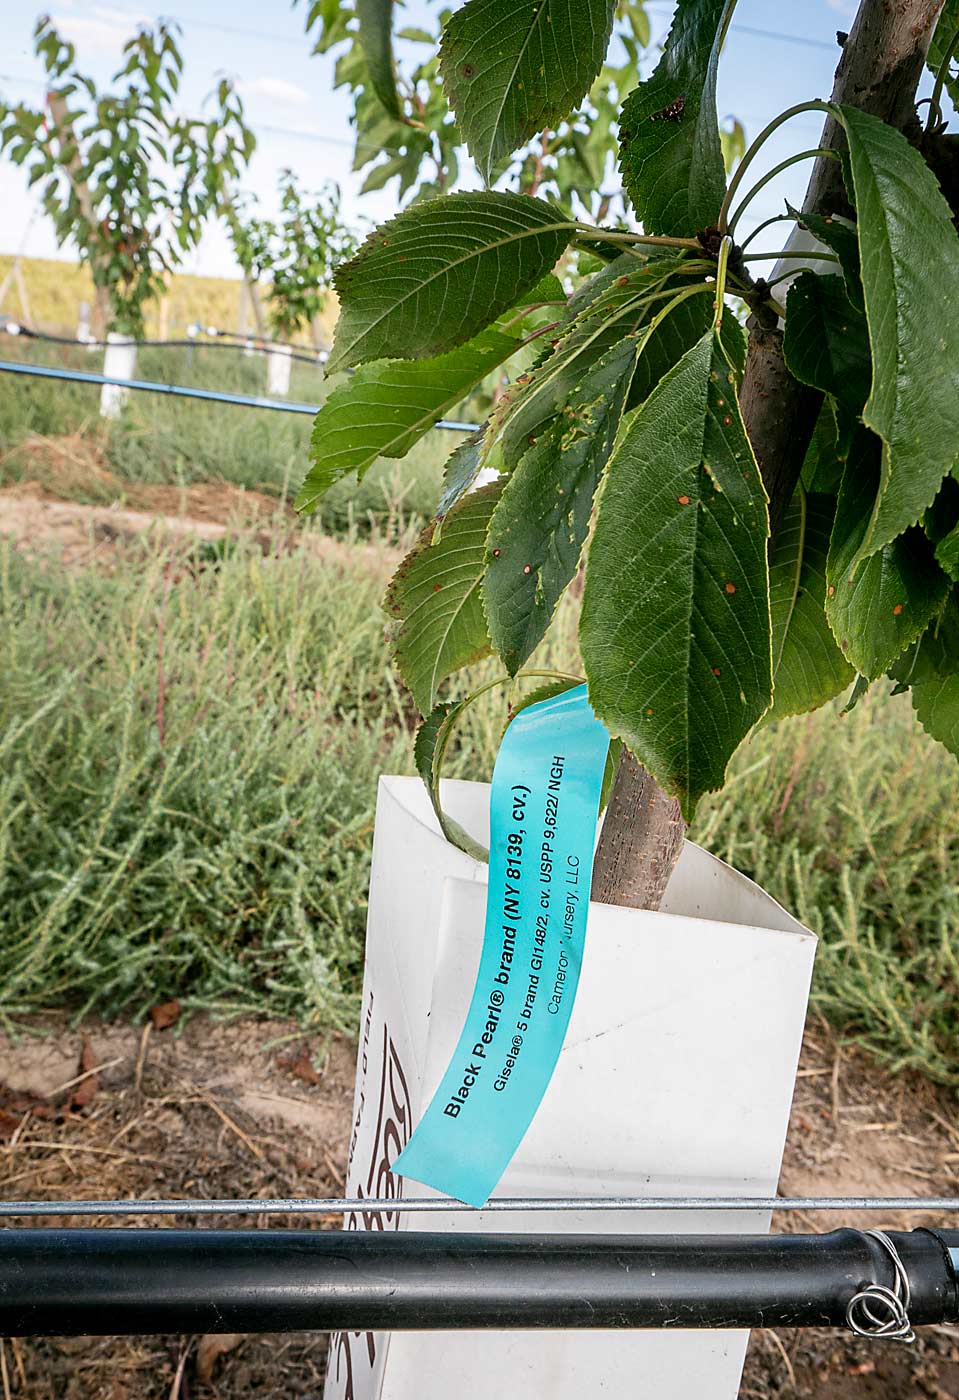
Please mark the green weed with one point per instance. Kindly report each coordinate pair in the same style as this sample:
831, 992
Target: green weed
189, 753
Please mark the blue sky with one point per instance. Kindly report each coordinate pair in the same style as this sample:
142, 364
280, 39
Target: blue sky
302, 122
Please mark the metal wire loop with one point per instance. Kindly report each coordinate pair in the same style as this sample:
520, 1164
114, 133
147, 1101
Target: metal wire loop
880, 1313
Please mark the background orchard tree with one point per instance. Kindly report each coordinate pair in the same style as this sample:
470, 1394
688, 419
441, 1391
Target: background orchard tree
127, 178
767, 520
406, 131
297, 252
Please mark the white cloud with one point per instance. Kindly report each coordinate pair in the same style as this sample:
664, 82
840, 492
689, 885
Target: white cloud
102, 29
847, 8
276, 90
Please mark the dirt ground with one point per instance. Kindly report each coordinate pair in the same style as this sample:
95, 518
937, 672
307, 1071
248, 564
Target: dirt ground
38, 520
249, 1109
42, 524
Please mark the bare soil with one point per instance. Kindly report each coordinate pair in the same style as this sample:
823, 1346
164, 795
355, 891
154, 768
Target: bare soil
250, 1109
40, 521
42, 524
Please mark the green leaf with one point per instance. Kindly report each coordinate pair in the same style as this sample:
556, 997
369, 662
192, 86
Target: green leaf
462, 468
675, 628
944, 41
822, 466
941, 524
876, 609
732, 140
910, 273
670, 151
434, 596
514, 67
936, 704
935, 655
675, 335
840, 235
382, 174
438, 273
808, 666
947, 554
383, 409
376, 40
539, 527
859, 690
429, 748
826, 342
620, 307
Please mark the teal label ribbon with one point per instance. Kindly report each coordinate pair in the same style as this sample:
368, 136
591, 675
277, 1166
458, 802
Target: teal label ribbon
544, 804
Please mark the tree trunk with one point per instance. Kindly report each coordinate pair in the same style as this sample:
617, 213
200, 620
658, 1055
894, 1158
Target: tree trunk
259, 318
881, 63
59, 112
641, 840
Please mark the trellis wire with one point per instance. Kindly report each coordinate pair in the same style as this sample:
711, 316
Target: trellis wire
293, 1205
182, 391
264, 347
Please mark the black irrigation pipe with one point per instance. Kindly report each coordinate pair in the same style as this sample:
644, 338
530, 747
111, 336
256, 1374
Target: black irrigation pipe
113, 1282
182, 391
273, 347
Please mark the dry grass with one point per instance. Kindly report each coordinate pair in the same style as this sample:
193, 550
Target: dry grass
56, 288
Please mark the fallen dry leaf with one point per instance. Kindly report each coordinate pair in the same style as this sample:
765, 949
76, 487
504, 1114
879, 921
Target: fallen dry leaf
165, 1015
301, 1065
9, 1123
13, 1106
84, 1093
210, 1349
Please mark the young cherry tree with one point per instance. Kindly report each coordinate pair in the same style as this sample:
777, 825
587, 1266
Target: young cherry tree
298, 252
405, 130
127, 178
766, 520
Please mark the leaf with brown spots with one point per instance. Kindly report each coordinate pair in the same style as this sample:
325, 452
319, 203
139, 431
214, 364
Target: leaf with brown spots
513, 67
880, 607
539, 527
808, 666
676, 593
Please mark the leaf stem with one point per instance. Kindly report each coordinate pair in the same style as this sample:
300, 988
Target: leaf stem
783, 277
791, 253
771, 175
724, 25
776, 219
747, 295
722, 264
611, 236
761, 139
660, 316
942, 72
